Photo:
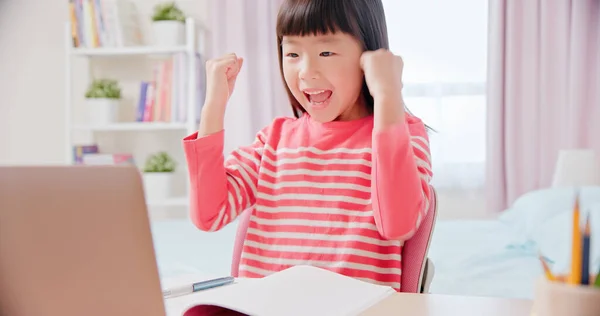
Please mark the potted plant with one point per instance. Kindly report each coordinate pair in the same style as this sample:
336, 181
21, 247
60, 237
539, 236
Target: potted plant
168, 25
102, 98
158, 176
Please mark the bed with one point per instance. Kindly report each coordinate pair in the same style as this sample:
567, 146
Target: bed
476, 258
472, 257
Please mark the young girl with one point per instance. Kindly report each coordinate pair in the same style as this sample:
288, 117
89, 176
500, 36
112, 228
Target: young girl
343, 184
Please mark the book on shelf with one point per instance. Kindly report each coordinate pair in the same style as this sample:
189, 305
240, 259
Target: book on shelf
90, 155
100, 159
104, 23
81, 150
164, 98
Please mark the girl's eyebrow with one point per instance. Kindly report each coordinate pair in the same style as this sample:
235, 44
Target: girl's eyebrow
288, 41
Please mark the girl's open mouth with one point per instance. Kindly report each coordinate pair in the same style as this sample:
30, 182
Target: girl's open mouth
318, 99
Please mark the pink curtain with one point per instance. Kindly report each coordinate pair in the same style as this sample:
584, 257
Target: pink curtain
544, 91
247, 28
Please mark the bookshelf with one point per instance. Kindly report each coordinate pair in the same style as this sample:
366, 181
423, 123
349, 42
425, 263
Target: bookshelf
127, 51
132, 126
115, 130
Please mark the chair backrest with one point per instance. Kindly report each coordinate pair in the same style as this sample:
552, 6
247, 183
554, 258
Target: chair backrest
414, 252
243, 221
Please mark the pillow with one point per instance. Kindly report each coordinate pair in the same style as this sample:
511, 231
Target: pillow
531, 211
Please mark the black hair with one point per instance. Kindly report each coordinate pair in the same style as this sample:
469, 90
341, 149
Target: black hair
363, 19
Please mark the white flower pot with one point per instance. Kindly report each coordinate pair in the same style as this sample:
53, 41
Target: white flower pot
158, 185
102, 111
168, 33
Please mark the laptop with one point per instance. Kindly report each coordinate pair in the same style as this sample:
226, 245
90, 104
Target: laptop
76, 240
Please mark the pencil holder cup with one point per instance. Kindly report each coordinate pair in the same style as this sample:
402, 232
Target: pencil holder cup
556, 298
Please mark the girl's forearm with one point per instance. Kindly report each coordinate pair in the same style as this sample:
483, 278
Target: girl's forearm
401, 174
211, 119
389, 111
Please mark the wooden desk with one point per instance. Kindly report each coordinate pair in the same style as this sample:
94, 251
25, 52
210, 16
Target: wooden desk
446, 305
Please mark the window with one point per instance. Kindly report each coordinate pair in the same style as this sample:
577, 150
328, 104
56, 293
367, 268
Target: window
444, 48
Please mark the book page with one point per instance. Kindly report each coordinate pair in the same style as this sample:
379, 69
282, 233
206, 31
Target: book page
300, 290
184, 280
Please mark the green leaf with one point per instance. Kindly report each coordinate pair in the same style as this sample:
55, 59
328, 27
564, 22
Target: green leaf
160, 162
104, 88
168, 12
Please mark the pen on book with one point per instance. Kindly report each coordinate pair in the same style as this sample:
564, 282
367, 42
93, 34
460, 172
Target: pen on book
198, 286
575, 276
585, 256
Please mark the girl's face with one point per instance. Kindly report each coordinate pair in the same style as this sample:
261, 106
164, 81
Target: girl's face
323, 73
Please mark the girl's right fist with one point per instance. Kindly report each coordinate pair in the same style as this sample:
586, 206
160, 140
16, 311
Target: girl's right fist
221, 74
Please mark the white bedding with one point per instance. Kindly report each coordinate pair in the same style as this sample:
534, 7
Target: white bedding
473, 258
182, 248
470, 257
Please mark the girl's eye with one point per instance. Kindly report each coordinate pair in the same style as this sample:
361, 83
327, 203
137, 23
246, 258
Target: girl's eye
326, 54
292, 55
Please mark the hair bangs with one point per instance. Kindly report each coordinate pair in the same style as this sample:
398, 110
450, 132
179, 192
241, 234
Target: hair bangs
315, 17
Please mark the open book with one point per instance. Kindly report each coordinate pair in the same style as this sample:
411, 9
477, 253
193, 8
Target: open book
300, 290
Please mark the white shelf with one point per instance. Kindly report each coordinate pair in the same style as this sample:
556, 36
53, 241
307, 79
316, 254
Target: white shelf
181, 201
133, 126
127, 51
191, 50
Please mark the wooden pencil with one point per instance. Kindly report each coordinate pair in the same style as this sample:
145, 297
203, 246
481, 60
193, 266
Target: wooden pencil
575, 276
547, 270
585, 256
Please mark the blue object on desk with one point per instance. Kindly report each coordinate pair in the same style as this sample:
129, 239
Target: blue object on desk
198, 286
585, 262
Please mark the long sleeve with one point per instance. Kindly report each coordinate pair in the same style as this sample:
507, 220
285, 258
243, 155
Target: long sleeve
401, 173
221, 189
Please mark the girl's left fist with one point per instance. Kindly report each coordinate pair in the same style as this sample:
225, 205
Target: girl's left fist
383, 73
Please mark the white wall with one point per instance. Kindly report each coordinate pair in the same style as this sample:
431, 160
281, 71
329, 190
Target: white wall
32, 72
31, 68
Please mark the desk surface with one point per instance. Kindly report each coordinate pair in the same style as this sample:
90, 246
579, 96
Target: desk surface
445, 305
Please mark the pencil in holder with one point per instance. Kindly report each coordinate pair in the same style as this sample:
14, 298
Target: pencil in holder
556, 298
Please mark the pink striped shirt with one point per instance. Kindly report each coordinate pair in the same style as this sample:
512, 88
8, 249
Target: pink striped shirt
335, 195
